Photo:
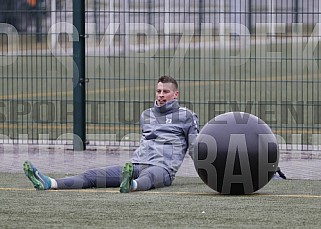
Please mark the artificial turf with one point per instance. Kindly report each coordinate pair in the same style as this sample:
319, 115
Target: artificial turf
188, 203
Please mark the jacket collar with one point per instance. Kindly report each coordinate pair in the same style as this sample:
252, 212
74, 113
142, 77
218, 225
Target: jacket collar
168, 107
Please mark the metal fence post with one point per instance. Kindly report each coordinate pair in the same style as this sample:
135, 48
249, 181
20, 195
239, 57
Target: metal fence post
201, 12
38, 22
250, 16
79, 78
296, 11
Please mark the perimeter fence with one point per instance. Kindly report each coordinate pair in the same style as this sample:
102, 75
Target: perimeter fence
260, 57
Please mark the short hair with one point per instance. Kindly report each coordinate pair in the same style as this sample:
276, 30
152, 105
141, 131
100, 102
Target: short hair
168, 79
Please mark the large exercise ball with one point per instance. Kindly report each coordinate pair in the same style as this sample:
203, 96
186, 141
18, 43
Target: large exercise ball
236, 153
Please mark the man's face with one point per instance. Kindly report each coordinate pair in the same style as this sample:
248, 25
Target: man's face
165, 92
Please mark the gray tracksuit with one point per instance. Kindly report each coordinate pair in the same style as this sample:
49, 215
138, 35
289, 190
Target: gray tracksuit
167, 133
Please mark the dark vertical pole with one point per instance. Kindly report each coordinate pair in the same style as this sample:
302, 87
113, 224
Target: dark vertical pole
296, 11
79, 79
149, 12
201, 15
38, 21
250, 16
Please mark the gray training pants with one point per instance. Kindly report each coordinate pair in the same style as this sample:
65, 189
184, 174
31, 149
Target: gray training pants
147, 177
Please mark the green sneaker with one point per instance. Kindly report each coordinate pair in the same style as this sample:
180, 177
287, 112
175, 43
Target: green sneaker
39, 180
127, 177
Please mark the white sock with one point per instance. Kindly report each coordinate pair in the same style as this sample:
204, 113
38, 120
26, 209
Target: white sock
133, 185
53, 184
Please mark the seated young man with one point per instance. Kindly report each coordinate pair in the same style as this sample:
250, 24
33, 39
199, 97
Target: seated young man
168, 131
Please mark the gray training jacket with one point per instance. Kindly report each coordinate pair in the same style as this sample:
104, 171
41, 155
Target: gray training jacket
167, 133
